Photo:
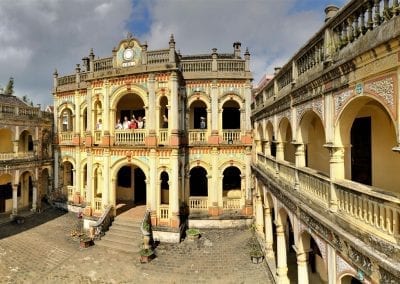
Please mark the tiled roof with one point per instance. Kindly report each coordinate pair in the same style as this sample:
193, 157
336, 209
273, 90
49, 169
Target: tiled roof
11, 100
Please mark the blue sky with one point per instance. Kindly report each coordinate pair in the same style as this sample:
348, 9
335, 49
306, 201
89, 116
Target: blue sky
39, 36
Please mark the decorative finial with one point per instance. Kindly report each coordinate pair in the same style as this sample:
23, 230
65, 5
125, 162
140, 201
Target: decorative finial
129, 35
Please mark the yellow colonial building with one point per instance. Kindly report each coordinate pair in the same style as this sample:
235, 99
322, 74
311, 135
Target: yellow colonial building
26, 160
158, 128
326, 161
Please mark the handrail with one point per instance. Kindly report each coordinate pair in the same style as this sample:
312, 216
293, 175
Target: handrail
103, 223
145, 226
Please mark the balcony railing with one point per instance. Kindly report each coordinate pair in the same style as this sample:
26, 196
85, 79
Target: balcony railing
18, 155
163, 136
97, 137
70, 189
198, 203
231, 203
360, 205
164, 212
231, 135
66, 137
130, 137
97, 204
197, 136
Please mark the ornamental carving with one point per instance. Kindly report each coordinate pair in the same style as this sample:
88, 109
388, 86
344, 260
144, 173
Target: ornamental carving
342, 266
384, 89
341, 99
384, 247
316, 105
387, 277
361, 260
314, 224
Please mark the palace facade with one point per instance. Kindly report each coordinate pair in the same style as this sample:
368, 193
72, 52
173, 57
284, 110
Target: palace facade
26, 155
159, 128
326, 157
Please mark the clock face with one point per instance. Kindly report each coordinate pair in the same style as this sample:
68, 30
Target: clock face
128, 54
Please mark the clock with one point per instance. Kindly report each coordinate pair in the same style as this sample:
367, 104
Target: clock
128, 54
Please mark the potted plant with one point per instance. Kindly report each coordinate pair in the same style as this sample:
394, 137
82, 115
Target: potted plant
146, 254
193, 234
85, 241
256, 254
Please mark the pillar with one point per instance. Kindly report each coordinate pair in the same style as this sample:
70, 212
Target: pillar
56, 169
267, 148
300, 157
280, 155
34, 196
214, 108
259, 214
89, 192
106, 180
216, 188
151, 115
269, 239
174, 115
281, 268
15, 199
174, 190
302, 267
331, 265
152, 202
336, 171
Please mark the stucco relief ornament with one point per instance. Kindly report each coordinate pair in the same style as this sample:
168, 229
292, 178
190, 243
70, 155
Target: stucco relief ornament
341, 99
383, 88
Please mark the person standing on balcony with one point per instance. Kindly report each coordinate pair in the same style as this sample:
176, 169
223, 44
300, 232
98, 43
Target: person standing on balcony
118, 126
165, 121
133, 123
126, 123
202, 123
99, 124
140, 122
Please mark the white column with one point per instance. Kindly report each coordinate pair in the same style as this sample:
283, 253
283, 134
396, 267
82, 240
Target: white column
151, 115
34, 197
174, 189
107, 125
214, 107
331, 265
173, 117
89, 193
56, 170
280, 155
247, 108
302, 267
216, 190
77, 116
151, 189
259, 214
269, 240
106, 180
281, 268
248, 173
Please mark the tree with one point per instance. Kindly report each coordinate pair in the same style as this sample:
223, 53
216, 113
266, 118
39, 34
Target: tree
10, 87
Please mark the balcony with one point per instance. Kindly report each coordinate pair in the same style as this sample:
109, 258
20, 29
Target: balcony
231, 203
198, 203
163, 136
163, 212
66, 137
197, 136
130, 137
358, 205
231, 136
16, 156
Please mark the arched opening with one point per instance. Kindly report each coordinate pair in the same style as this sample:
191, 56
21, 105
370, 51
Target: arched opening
349, 279
67, 173
291, 253
66, 120
5, 193
45, 183
130, 106
84, 120
46, 144
198, 115
131, 186
163, 114
366, 126
286, 138
231, 115
164, 187
25, 189
6, 144
271, 139
98, 112
98, 182
198, 182
312, 135
25, 143
231, 182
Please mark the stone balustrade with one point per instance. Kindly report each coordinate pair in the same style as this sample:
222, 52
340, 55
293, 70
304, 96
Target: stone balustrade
66, 137
196, 66
97, 205
358, 205
231, 203
158, 56
198, 203
163, 136
28, 112
103, 64
231, 135
164, 212
97, 137
130, 137
18, 155
197, 136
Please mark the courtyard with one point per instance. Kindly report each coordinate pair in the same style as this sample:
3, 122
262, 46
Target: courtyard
42, 251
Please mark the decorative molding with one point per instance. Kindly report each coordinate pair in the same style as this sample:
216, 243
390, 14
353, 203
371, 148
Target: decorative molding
343, 266
341, 99
387, 277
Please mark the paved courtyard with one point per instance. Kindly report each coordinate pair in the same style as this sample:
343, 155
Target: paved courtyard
42, 251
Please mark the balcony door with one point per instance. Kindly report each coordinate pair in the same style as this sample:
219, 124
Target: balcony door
361, 169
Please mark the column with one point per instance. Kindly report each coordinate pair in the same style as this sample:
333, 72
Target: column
281, 268
280, 156
15, 199
300, 158
133, 189
34, 196
151, 115
56, 170
248, 173
77, 116
247, 108
105, 112
331, 265
174, 189
152, 203
269, 239
302, 267
214, 108
259, 214
215, 194
174, 115
336, 171
267, 148
89, 192
106, 180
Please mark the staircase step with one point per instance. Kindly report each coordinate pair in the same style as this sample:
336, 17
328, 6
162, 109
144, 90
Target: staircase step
111, 236
124, 234
127, 222
123, 228
132, 247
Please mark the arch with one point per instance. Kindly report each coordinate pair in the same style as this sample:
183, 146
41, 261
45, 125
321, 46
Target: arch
68, 158
349, 278
231, 179
285, 137
66, 119
164, 187
163, 112
198, 114
227, 96
118, 93
199, 163
130, 107
25, 142
198, 181
366, 130
66, 105
199, 96
25, 188
231, 117
118, 164
311, 133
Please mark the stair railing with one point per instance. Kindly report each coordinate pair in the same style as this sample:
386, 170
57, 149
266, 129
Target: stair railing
102, 224
146, 230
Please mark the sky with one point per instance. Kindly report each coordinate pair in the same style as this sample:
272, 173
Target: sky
39, 36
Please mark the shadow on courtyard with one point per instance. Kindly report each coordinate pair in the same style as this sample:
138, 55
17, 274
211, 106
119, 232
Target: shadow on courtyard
12, 228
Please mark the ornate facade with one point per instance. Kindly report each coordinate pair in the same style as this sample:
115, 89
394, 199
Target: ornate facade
26, 159
326, 152
188, 144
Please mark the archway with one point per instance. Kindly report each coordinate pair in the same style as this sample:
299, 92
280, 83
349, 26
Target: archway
5, 193
131, 186
44, 183
198, 182
164, 187
367, 126
198, 115
130, 106
231, 182
285, 148
163, 114
349, 279
25, 143
25, 189
231, 115
66, 120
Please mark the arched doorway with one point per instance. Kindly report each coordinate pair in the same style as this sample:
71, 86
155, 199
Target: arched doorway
231, 115
231, 182
349, 279
5, 193
164, 187
131, 186
130, 106
198, 182
198, 115
25, 190
25, 142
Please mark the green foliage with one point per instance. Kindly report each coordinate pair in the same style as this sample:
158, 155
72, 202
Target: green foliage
254, 247
146, 226
10, 87
192, 232
146, 252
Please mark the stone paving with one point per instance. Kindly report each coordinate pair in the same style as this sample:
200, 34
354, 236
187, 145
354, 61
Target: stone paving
42, 251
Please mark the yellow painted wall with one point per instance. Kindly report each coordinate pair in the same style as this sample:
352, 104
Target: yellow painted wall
318, 156
289, 148
6, 145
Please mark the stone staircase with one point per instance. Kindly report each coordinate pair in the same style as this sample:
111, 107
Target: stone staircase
124, 234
